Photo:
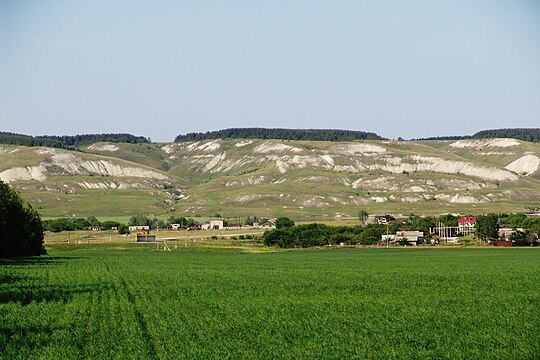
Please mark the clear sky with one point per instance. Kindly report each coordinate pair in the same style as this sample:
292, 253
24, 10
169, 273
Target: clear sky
161, 68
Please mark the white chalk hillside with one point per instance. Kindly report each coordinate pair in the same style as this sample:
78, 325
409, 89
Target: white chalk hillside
291, 174
526, 165
63, 162
207, 157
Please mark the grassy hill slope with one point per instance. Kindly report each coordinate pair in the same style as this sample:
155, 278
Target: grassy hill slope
240, 177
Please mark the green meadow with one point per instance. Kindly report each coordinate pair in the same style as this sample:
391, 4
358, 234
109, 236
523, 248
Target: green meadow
130, 301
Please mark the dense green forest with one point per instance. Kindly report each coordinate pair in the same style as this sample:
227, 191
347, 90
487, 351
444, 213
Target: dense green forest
532, 135
67, 141
282, 134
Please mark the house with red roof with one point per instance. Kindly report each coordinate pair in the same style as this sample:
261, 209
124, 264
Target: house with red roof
467, 223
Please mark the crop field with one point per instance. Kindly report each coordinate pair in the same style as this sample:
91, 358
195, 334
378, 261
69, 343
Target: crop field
91, 302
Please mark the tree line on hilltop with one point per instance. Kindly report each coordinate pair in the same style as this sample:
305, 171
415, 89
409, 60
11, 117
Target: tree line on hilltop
71, 142
531, 135
282, 134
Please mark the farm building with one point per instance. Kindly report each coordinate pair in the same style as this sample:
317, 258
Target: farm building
270, 224
386, 220
139, 228
412, 237
145, 237
194, 226
506, 232
213, 225
175, 226
390, 239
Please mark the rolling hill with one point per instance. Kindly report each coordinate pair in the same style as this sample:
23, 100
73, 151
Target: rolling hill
303, 179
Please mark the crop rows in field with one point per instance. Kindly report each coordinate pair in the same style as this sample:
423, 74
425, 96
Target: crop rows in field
349, 303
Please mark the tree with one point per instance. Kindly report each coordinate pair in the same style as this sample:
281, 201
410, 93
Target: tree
123, 229
519, 238
139, 220
363, 216
93, 221
487, 226
21, 231
284, 222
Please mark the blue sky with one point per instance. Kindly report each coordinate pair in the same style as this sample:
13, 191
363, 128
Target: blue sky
161, 68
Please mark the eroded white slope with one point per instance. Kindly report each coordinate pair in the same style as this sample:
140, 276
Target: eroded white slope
56, 160
526, 165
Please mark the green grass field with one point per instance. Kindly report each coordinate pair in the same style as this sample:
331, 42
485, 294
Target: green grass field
92, 301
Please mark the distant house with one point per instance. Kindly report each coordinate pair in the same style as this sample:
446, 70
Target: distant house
139, 228
205, 226
504, 233
217, 224
213, 225
194, 226
176, 226
411, 237
97, 228
390, 239
466, 223
268, 224
386, 220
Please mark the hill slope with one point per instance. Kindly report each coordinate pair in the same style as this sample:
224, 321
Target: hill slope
239, 177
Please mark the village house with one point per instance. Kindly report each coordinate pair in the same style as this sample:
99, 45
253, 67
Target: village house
175, 226
139, 228
268, 224
388, 239
386, 220
194, 226
411, 237
504, 233
213, 225
466, 223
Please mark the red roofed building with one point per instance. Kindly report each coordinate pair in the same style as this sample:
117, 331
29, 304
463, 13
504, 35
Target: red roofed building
466, 222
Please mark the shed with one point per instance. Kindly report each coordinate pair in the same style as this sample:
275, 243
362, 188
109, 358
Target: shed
145, 237
412, 237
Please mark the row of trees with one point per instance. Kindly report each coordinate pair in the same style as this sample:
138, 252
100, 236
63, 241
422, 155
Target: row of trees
72, 224
68, 142
532, 135
308, 235
21, 231
282, 134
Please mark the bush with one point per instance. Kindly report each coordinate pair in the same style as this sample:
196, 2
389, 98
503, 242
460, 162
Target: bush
123, 229
284, 222
21, 230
